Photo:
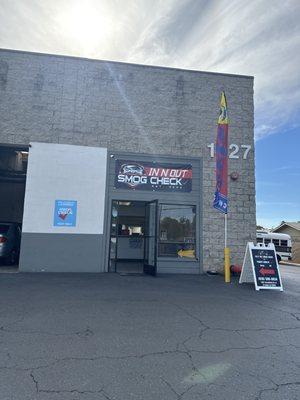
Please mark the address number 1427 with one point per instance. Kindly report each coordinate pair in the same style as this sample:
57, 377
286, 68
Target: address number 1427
234, 150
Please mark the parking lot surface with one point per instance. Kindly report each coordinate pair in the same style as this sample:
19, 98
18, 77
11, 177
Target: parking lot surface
86, 336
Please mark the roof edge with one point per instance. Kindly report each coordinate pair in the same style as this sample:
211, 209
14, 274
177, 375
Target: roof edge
125, 63
287, 224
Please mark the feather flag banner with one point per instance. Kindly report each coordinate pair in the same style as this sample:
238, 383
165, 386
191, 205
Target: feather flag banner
221, 193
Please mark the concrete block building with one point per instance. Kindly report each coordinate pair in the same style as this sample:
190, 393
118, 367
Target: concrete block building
121, 164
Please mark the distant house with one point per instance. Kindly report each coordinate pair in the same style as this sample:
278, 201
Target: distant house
292, 229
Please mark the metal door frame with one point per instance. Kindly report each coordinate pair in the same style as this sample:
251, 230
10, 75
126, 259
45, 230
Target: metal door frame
147, 267
116, 235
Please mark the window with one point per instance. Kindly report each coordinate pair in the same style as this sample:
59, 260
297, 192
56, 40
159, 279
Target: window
267, 241
275, 242
177, 231
284, 243
259, 240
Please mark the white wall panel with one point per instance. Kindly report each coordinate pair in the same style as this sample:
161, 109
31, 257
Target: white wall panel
65, 172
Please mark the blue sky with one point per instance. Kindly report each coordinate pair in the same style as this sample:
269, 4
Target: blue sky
258, 37
278, 178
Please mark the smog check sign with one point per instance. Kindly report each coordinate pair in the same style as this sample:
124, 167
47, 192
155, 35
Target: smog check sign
140, 175
261, 267
65, 213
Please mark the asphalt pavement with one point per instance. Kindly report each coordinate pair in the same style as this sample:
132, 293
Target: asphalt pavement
88, 336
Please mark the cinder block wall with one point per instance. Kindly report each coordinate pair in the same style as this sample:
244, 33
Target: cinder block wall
57, 99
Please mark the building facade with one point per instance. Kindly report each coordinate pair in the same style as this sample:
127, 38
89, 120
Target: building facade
292, 229
127, 152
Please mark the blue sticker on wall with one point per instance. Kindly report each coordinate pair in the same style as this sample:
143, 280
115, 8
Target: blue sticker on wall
65, 212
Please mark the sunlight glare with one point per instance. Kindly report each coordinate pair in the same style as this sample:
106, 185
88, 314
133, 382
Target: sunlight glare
88, 25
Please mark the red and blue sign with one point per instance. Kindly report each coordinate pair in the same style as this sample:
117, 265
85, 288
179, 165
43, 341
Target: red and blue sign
221, 193
152, 176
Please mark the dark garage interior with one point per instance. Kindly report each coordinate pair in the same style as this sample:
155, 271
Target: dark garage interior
13, 168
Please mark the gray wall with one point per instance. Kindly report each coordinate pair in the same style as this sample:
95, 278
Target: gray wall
135, 108
61, 252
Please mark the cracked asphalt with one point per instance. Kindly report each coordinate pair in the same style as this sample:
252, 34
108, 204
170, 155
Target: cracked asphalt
87, 337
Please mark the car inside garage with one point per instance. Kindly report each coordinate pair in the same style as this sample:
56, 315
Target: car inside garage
13, 168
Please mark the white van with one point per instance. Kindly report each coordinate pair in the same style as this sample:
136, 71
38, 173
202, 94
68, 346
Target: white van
281, 241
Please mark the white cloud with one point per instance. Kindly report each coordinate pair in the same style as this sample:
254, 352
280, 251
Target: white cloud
257, 38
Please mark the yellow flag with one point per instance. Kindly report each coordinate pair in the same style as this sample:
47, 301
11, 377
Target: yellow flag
223, 117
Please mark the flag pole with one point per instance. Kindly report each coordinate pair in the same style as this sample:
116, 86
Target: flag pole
221, 193
226, 255
225, 215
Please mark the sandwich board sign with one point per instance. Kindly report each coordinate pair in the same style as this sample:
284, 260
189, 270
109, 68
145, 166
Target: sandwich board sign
261, 267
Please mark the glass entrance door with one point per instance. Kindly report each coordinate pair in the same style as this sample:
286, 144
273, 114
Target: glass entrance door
127, 237
133, 237
150, 254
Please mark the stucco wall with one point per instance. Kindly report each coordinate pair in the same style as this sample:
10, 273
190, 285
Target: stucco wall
64, 172
134, 108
